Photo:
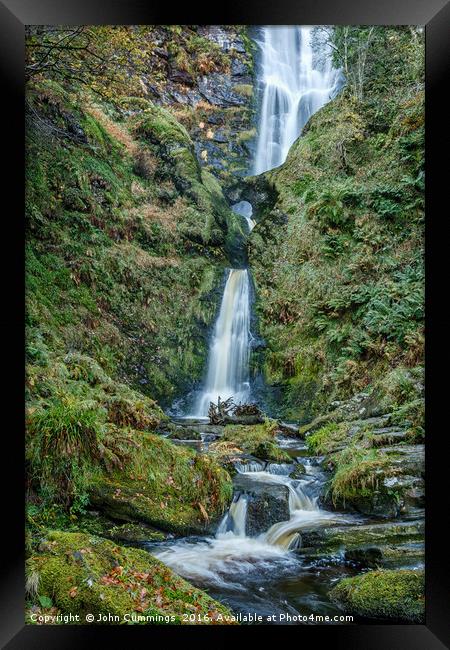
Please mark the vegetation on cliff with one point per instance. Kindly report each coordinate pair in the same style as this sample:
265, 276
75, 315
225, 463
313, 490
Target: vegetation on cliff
340, 282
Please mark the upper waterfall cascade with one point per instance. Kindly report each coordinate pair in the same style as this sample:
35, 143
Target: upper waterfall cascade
295, 83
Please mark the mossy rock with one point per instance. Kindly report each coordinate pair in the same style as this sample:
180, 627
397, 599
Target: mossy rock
391, 595
185, 433
272, 452
377, 503
83, 574
166, 486
123, 532
298, 471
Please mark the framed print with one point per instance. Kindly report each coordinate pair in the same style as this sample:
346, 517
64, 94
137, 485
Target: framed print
220, 280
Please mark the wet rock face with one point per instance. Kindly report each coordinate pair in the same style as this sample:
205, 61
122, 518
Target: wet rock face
268, 503
384, 544
217, 89
215, 104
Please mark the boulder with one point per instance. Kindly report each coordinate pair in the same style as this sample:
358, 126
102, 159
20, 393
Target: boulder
298, 471
185, 433
395, 596
217, 89
384, 544
268, 503
167, 486
269, 450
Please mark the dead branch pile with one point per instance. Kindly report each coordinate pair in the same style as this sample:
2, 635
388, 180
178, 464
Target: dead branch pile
227, 412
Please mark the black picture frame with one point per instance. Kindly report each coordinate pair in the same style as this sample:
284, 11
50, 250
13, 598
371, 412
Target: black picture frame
435, 16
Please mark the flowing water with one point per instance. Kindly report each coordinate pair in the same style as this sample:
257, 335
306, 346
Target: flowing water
263, 574
229, 353
295, 82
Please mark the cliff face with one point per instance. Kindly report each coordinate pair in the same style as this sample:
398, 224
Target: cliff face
204, 75
128, 229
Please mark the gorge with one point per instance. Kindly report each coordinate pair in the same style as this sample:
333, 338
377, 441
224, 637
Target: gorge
228, 217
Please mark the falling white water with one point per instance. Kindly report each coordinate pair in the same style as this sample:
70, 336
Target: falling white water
232, 553
235, 518
228, 363
294, 87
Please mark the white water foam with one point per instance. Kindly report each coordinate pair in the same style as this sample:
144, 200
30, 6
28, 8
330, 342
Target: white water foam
294, 87
229, 354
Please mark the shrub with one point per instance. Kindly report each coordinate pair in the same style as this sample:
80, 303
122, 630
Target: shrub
327, 438
63, 444
135, 413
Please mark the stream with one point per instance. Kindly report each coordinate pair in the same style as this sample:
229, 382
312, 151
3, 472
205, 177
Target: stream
269, 574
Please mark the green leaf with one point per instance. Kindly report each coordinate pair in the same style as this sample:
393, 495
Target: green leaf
45, 602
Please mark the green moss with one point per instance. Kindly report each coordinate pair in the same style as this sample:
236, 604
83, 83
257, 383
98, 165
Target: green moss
83, 574
257, 439
392, 595
327, 438
155, 121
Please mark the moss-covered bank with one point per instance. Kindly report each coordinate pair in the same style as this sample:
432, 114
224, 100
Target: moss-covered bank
167, 486
397, 596
79, 574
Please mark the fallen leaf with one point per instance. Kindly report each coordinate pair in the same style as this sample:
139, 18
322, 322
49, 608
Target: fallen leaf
203, 511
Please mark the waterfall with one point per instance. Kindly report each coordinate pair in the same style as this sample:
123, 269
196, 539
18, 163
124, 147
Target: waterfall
228, 363
235, 518
232, 553
294, 87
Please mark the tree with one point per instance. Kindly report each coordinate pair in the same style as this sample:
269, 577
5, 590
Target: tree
374, 56
350, 46
107, 59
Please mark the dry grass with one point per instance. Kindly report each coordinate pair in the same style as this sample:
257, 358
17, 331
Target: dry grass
140, 258
167, 217
115, 130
